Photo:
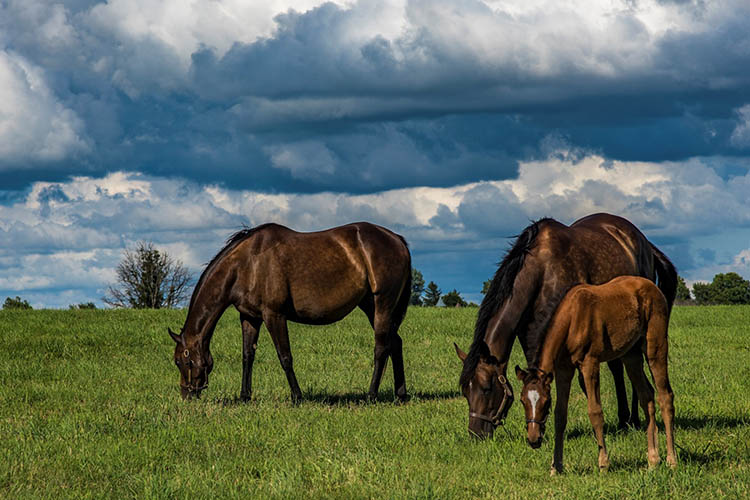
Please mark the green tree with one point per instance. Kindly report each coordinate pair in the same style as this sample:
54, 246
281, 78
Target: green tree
17, 303
683, 293
486, 286
417, 287
432, 295
702, 292
731, 288
148, 278
726, 288
454, 299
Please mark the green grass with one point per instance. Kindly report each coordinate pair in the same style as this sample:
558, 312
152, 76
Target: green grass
90, 408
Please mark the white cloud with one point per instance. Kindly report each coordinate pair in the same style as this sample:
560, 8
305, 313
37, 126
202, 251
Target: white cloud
741, 135
70, 235
33, 123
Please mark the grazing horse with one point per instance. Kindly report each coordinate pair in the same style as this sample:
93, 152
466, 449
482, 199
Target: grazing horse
620, 319
272, 274
546, 259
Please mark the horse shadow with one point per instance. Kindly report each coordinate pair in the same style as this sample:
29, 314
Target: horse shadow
351, 398
703, 456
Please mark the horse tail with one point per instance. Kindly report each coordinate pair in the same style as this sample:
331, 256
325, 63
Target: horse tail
403, 301
666, 275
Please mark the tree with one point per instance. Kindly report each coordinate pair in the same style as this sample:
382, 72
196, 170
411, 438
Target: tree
148, 278
683, 293
486, 286
702, 292
17, 303
454, 299
432, 295
417, 287
726, 288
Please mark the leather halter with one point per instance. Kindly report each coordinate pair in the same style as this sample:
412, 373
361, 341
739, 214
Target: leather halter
189, 387
498, 417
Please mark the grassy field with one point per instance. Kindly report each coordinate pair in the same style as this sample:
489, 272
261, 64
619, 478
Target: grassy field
90, 408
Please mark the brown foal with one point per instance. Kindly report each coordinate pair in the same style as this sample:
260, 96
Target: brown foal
594, 324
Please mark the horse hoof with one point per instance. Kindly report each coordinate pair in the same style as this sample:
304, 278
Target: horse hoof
554, 471
245, 397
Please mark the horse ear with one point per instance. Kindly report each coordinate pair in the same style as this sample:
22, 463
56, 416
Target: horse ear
548, 378
461, 354
520, 374
175, 336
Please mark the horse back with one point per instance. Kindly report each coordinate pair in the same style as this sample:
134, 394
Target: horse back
321, 276
609, 319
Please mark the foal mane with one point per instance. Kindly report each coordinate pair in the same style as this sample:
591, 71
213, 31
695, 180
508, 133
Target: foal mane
500, 290
234, 240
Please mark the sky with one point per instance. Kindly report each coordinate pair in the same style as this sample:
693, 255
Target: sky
454, 123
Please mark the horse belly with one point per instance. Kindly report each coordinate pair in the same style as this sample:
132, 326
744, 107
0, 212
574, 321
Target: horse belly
326, 296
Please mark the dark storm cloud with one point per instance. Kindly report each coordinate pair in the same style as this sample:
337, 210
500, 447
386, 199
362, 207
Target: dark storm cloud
460, 93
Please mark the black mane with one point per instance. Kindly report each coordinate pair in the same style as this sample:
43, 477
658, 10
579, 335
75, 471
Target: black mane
232, 242
501, 288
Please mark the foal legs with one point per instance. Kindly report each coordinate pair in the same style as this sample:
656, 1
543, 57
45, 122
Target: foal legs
634, 365
656, 354
590, 370
250, 330
277, 327
563, 378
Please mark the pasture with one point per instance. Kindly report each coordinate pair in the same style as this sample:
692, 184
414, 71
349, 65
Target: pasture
90, 408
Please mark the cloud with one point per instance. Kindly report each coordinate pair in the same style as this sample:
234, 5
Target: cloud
740, 137
389, 93
70, 235
34, 125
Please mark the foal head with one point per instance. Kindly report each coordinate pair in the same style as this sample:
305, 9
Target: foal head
536, 398
488, 393
194, 364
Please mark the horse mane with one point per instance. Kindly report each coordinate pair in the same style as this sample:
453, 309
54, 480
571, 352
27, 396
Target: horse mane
234, 240
539, 333
500, 290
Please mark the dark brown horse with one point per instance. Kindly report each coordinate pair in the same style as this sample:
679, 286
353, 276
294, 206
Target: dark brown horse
546, 259
624, 318
272, 274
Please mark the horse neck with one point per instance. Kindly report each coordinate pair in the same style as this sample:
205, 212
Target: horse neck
206, 307
504, 326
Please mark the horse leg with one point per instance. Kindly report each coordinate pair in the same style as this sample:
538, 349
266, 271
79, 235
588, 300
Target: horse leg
383, 327
250, 330
563, 378
590, 369
656, 354
277, 327
634, 365
623, 416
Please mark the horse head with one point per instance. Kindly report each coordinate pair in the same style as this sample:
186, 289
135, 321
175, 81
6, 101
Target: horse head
194, 364
488, 393
536, 398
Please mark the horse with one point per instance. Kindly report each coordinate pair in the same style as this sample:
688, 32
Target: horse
623, 318
272, 274
546, 259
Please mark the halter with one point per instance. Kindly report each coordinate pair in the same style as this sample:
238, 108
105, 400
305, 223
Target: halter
189, 385
498, 417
